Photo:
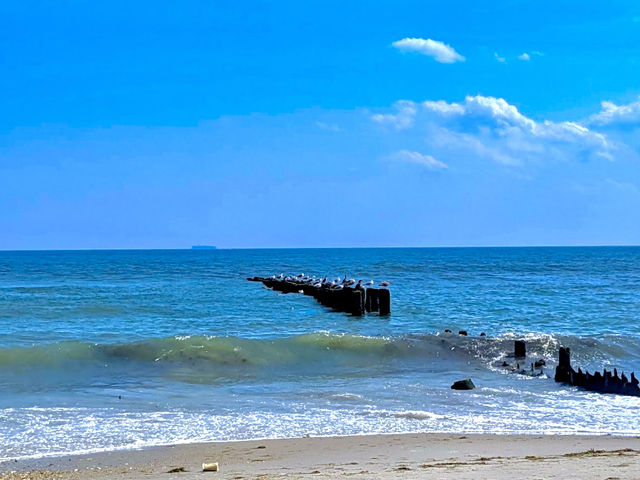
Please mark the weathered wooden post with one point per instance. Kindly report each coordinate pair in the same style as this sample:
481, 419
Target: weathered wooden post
564, 357
356, 302
564, 372
519, 349
384, 301
372, 300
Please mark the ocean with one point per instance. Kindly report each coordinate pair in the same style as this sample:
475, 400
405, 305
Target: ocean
105, 350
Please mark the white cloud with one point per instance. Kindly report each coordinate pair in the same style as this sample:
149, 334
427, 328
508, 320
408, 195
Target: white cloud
443, 107
403, 118
525, 56
491, 128
418, 158
617, 114
440, 51
499, 58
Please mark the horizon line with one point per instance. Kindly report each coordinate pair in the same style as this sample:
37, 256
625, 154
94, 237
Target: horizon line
141, 249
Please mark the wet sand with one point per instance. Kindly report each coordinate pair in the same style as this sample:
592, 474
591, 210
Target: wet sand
437, 456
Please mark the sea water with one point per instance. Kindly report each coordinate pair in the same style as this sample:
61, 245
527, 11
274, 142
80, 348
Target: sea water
125, 349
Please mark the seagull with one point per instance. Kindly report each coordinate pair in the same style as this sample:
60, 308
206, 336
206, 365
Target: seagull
348, 281
370, 282
386, 283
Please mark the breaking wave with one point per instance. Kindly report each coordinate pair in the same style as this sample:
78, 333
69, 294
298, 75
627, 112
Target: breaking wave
320, 347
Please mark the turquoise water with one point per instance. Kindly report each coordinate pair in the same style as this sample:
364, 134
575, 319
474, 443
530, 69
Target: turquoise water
123, 349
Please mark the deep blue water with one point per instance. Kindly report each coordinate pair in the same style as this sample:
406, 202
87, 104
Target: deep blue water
117, 349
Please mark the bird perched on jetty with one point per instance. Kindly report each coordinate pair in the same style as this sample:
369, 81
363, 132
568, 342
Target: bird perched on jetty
386, 283
370, 282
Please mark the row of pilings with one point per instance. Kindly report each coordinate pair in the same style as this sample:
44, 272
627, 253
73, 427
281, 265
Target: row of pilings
605, 382
354, 300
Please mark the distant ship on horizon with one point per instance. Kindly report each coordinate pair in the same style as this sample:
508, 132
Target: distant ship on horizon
203, 247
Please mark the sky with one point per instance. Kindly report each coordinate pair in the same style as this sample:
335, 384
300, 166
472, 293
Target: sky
326, 123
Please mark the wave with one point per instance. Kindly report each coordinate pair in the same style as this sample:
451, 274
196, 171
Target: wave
317, 347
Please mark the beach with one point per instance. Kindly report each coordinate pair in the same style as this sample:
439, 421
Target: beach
376, 456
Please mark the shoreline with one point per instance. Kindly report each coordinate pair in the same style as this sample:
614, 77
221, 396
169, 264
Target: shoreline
421, 455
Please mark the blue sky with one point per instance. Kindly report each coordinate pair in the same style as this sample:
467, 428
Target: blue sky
281, 124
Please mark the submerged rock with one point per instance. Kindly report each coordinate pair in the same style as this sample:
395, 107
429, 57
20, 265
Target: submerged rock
465, 384
539, 363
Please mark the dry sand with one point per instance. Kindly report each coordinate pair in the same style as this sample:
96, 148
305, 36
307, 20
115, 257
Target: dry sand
436, 456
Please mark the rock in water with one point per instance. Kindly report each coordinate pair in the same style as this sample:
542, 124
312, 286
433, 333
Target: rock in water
465, 384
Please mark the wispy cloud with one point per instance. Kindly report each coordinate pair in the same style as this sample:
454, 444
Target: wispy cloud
418, 158
617, 114
441, 52
526, 56
499, 58
330, 127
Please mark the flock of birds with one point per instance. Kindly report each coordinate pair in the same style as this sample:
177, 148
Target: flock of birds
337, 284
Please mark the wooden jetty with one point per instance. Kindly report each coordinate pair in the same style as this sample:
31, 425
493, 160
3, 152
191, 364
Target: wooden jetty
605, 382
349, 298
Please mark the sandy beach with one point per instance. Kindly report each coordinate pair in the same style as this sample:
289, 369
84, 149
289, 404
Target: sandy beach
379, 456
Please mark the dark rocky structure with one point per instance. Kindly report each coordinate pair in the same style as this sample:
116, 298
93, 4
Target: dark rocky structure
605, 382
465, 384
346, 296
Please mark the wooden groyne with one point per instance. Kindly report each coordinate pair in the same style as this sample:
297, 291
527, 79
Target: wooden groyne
605, 382
346, 296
